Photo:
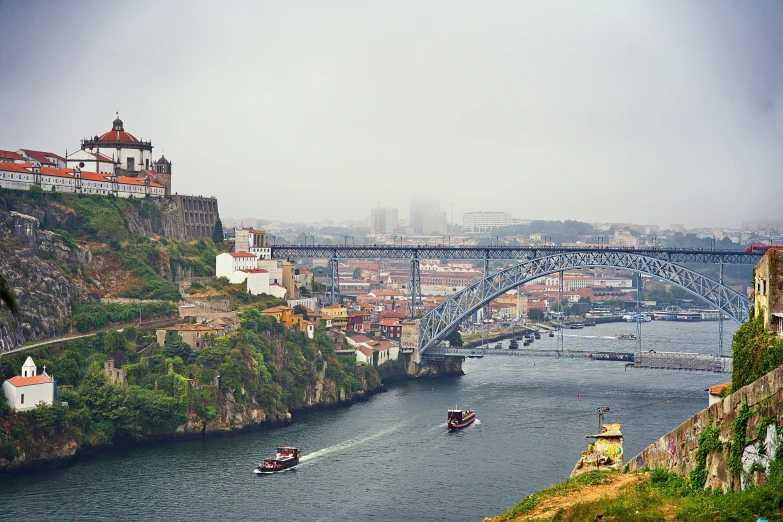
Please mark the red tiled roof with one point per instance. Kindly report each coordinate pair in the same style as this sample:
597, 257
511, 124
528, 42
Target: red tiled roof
255, 271
390, 322
19, 381
15, 167
120, 136
716, 389
241, 254
366, 351
276, 284
10, 156
101, 157
41, 157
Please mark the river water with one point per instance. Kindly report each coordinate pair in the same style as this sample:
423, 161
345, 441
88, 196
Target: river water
391, 458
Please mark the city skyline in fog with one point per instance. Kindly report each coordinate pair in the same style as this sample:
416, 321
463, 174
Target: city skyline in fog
649, 112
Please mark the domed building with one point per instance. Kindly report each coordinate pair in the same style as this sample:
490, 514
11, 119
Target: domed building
129, 153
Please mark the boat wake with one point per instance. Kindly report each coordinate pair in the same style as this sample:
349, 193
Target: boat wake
337, 448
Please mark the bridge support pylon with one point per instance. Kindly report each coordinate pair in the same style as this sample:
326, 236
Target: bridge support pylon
334, 280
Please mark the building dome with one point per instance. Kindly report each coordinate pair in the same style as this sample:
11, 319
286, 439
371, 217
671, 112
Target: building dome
117, 134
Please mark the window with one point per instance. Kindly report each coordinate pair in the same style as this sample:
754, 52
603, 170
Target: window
22, 401
25, 373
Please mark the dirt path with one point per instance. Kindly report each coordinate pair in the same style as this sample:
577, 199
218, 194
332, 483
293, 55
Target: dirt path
549, 506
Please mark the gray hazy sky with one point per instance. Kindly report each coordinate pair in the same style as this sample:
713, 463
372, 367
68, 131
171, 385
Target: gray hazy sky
627, 111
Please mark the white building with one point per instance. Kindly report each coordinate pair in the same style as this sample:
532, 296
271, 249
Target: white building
484, 221
130, 153
383, 220
253, 241
91, 161
22, 176
28, 390
256, 280
277, 290
229, 262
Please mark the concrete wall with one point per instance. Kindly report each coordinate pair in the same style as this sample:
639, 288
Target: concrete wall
676, 451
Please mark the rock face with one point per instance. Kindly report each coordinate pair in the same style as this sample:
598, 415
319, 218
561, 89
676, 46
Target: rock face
42, 271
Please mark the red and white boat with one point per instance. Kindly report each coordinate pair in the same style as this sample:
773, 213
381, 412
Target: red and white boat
459, 418
287, 457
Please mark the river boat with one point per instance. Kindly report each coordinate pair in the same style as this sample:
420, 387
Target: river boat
537, 334
526, 342
551, 334
513, 344
627, 337
590, 322
287, 458
576, 326
459, 418
498, 345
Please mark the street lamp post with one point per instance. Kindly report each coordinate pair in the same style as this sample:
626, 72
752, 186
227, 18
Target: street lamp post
601, 412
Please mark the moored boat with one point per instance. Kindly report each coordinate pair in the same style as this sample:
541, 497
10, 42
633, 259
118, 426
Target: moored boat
513, 344
627, 336
287, 457
459, 418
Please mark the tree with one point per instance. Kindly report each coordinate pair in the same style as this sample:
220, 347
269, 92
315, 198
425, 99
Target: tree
217, 232
455, 338
535, 314
357, 273
36, 193
301, 310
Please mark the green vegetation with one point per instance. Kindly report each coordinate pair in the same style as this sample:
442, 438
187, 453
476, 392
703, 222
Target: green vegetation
709, 442
662, 496
93, 316
455, 338
755, 352
262, 365
217, 232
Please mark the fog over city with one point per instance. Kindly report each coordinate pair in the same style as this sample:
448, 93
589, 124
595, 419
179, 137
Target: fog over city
647, 112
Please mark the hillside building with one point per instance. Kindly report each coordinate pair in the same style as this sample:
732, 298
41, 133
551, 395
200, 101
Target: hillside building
28, 389
768, 288
485, 221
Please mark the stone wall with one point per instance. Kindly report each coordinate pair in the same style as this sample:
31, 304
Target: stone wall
676, 451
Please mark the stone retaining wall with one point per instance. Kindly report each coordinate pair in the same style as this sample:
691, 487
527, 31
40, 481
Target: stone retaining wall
676, 451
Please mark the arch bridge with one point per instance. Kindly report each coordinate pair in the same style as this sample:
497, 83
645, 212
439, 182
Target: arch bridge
435, 325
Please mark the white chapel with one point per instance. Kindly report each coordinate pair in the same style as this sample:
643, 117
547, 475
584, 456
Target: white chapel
28, 390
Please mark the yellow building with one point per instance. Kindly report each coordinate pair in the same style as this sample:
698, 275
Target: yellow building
338, 313
285, 315
192, 334
510, 301
768, 289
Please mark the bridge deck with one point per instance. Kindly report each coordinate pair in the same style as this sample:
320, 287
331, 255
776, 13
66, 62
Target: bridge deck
652, 360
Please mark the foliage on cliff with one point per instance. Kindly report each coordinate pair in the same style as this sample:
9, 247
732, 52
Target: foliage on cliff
755, 352
93, 316
262, 366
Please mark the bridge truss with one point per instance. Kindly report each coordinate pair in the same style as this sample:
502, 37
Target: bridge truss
439, 322
447, 252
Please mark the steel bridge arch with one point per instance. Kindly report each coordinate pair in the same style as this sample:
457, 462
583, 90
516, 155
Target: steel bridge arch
440, 321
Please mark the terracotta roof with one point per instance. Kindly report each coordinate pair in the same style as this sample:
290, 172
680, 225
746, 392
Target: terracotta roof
366, 351
390, 322
42, 157
381, 345
120, 136
277, 284
255, 271
359, 338
15, 167
715, 390
19, 381
10, 156
241, 254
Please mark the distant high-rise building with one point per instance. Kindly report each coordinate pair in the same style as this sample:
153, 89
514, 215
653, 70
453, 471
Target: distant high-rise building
434, 223
383, 220
249, 223
483, 221
419, 206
